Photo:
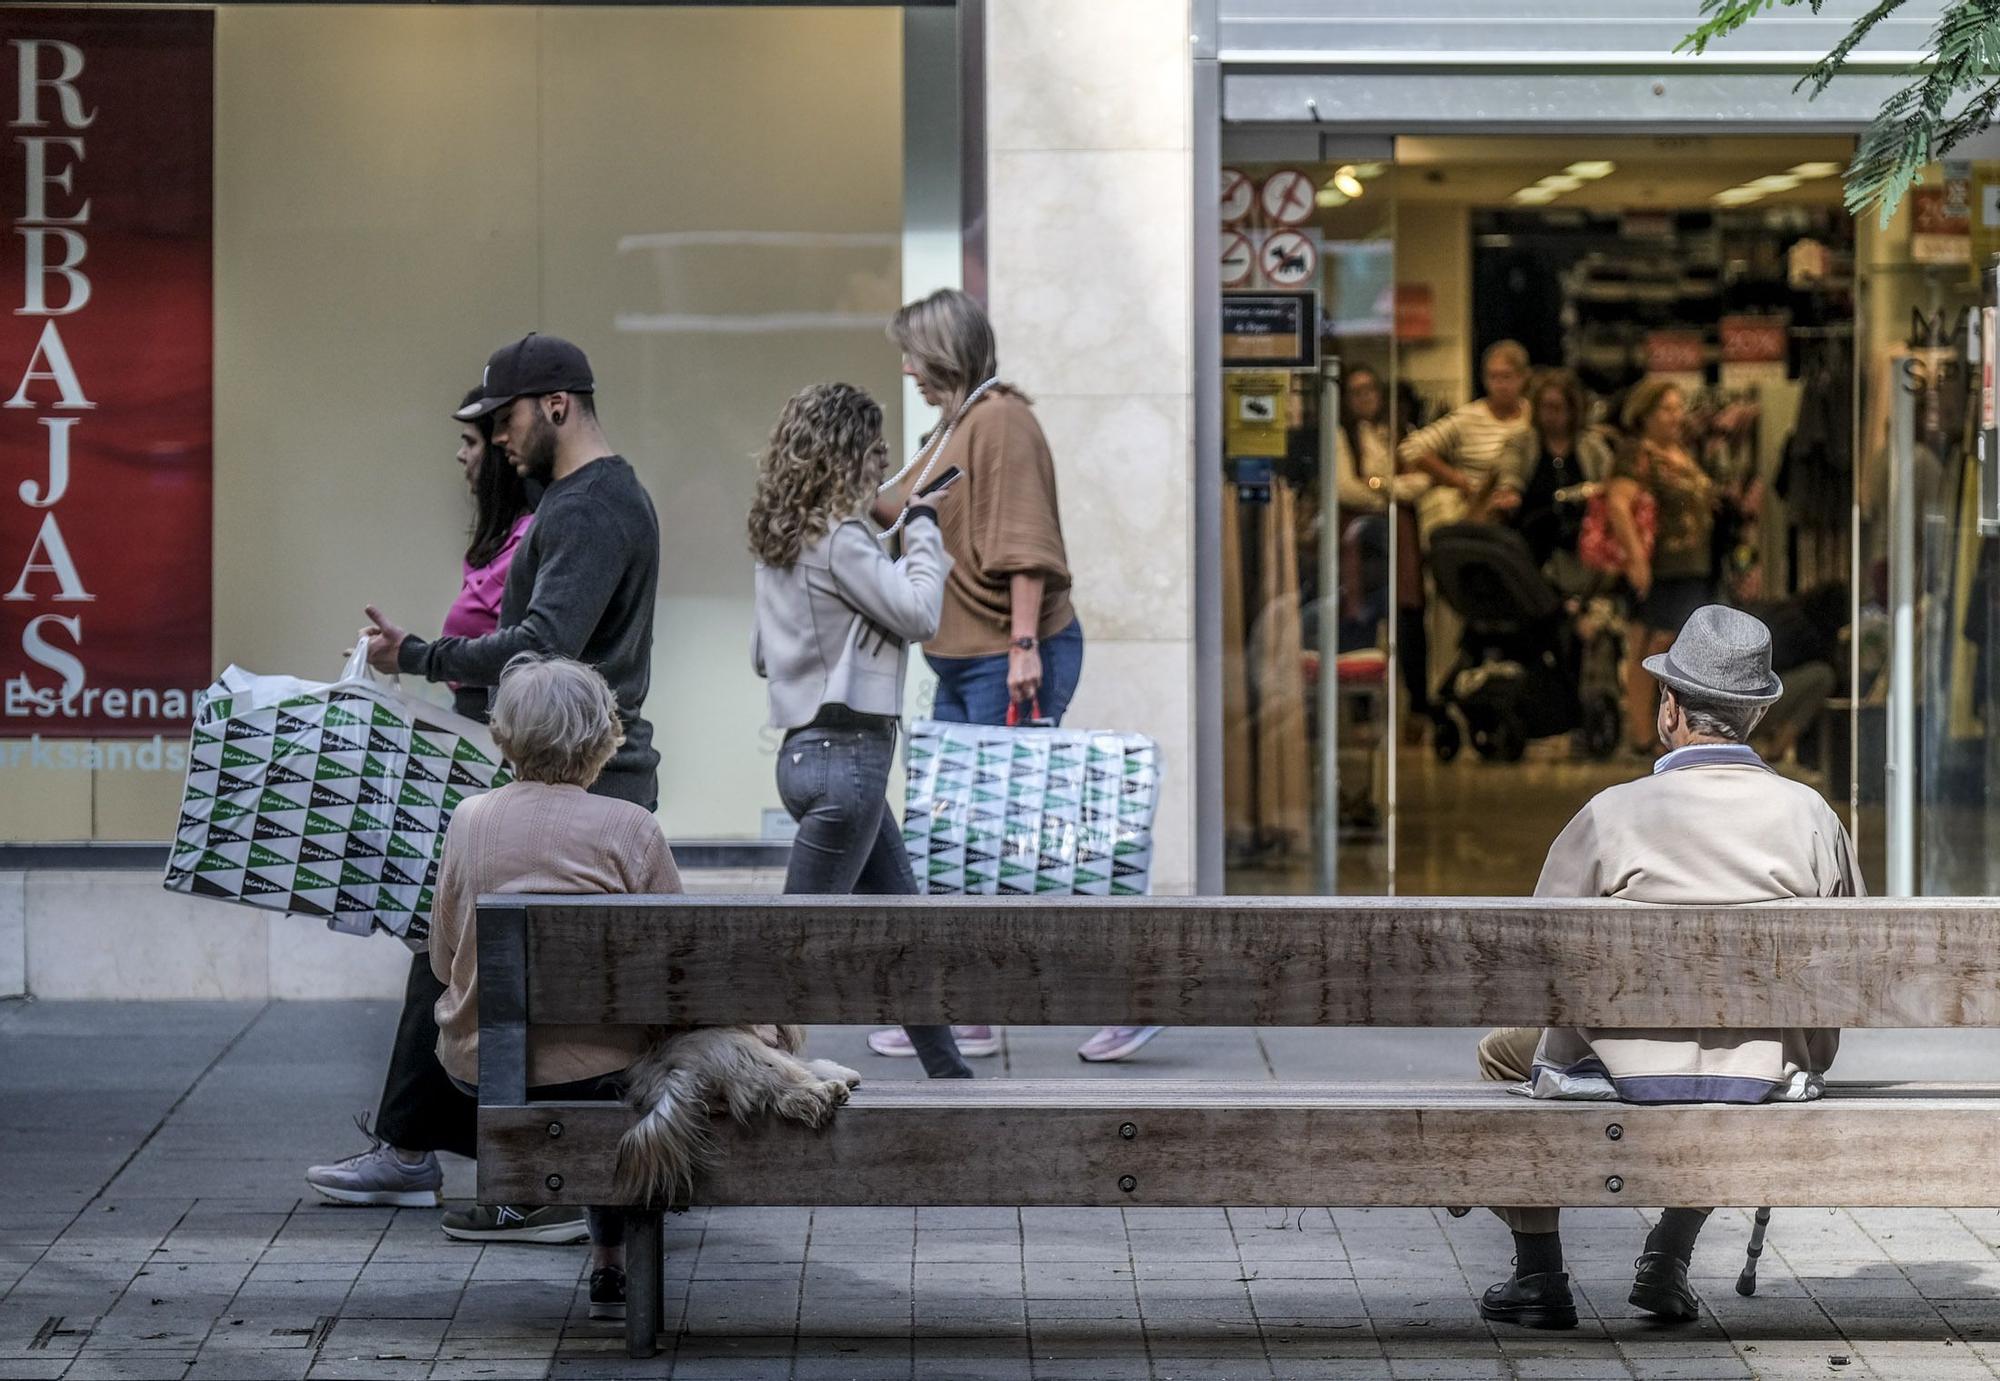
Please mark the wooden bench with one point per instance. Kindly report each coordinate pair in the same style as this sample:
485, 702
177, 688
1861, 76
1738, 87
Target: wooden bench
1248, 961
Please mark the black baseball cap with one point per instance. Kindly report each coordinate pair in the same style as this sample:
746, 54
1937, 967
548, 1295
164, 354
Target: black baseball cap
530, 367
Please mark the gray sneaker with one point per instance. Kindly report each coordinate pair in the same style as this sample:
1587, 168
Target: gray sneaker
379, 1176
506, 1223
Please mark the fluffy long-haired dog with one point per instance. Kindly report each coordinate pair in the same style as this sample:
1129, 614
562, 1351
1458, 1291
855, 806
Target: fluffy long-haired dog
747, 1070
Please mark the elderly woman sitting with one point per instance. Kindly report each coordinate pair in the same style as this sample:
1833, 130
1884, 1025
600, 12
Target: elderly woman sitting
557, 723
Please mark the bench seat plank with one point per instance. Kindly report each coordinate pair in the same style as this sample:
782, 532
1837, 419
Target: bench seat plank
1259, 961
1060, 1143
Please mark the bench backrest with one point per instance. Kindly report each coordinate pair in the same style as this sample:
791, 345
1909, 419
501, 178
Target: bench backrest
1237, 961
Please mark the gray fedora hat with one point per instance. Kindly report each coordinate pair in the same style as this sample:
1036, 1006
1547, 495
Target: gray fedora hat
1721, 654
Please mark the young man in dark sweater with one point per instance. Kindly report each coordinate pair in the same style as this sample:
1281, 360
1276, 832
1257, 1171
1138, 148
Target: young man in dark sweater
582, 586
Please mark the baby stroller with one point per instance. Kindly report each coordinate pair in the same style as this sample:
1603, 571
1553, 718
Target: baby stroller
1520, 661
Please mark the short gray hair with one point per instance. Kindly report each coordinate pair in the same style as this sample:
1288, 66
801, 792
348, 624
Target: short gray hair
1718, 718
555, 720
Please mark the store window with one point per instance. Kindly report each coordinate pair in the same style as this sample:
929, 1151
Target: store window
1428, 667
708, 200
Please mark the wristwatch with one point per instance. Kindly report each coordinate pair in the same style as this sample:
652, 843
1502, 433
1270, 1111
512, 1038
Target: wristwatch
1027, 644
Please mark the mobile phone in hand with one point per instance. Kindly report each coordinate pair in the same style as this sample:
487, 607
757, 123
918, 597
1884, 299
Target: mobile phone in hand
941, 483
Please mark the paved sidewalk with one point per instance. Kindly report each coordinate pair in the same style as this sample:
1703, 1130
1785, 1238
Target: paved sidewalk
154, 1224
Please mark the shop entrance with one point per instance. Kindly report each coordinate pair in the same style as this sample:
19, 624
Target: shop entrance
1436, 351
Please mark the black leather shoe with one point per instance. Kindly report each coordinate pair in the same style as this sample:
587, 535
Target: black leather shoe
1662, 1288
1541, 1301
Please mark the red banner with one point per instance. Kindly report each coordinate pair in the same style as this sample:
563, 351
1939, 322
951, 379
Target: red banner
105, 371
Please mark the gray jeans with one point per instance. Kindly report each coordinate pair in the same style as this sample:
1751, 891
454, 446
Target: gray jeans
834, 777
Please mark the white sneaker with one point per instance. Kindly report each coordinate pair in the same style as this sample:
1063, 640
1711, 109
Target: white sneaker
1115, 1043
973, 1042
379, 1176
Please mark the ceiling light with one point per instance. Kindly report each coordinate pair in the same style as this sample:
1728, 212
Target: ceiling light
1535, 196
1368, 172
1592, 170
1809, 171
1560, 182
1738, 196
1776, 182
1330, 197
1346, 182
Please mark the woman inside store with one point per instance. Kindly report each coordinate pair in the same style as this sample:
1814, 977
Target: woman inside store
1672, 575
1369, 483
835, 618
420, 1112
1008, 641
1471, 452
1559, 450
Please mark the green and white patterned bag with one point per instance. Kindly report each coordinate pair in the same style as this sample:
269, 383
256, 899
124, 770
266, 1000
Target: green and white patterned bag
991, 811
325, 800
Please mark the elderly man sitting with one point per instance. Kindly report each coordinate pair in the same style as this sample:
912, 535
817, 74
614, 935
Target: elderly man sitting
1711, 826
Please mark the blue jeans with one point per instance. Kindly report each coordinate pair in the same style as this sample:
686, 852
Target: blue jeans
973, 690
834, 780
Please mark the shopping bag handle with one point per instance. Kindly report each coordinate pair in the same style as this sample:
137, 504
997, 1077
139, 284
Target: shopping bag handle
357, 668
1034, 718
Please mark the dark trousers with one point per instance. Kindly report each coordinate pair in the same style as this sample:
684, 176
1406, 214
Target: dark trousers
421, 1109
834, 777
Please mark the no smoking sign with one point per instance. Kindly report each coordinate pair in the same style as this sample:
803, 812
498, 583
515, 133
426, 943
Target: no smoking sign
1238, 259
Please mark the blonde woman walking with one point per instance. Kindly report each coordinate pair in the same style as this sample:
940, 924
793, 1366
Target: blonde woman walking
1008, 641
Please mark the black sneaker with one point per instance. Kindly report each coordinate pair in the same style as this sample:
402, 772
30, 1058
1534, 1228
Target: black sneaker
1661, 1287
607, 1293
1539, 1301
506, 1223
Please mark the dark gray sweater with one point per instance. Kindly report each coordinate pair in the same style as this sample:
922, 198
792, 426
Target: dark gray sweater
582, 585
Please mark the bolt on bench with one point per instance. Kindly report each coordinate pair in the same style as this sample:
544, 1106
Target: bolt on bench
1247, 961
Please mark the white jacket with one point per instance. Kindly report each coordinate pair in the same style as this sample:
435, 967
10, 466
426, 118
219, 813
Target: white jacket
834, 628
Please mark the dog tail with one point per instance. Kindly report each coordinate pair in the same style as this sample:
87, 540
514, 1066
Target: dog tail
659, 1157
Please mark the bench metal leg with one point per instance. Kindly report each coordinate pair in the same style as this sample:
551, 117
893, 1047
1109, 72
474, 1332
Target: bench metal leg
1746, 1284
645, 1288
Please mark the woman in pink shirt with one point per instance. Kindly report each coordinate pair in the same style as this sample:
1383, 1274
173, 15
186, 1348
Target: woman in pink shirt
502, 510
421, 1113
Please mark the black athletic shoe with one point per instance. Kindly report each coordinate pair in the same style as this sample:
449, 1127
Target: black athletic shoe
607, 1293
1662, 1288
1540, 1301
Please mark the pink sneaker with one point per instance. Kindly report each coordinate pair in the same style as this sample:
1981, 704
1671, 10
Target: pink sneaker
1116, 1042
973, 1042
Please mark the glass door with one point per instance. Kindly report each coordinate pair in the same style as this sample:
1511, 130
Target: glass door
1434, 357
1925, 612
1309, 545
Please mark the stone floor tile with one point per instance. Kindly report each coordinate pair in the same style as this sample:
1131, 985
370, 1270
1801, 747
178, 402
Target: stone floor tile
1093, 1368
1449, 1369
350, 1369
845, 1359
212, 1364
132, 1366
491, 1369
32, 1368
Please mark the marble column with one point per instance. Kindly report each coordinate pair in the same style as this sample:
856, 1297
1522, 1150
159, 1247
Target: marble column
1089, 218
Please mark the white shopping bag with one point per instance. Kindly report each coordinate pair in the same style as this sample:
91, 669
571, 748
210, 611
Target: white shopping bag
325, 799
992, 811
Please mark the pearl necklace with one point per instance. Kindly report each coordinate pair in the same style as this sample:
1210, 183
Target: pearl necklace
933, 451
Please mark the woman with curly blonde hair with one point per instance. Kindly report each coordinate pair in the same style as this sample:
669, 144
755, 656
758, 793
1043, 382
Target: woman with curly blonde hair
835, 617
